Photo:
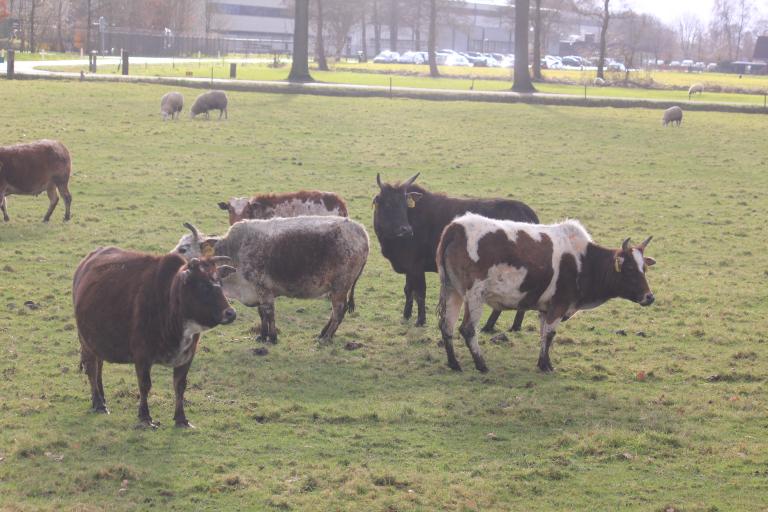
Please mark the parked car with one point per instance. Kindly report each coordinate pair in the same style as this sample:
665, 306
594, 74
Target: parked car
550, 62
712, 66
386, 57
411, 58
491, 61
615, 66
452, 59
475, 58
571, 62
674, 64
687, 63
699, 66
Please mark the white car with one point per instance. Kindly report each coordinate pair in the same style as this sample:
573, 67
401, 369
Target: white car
386, 57
452, 59
411, 58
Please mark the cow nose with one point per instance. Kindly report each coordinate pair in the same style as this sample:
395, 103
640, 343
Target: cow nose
648, 299
405, 231
228, 316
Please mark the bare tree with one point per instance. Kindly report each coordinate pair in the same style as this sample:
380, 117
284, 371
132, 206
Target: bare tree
537, 41
300, 65
376, 28
322, 62
394, 16
688, 30
432, 37
743, 15
522, 79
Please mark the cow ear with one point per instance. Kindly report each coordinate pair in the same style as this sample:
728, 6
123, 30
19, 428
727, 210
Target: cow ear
225, 271
412, 198
223, 205
207, 247
649, 261
375, 201
618, 261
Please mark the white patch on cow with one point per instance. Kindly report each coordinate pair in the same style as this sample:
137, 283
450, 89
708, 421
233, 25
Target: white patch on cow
568, 237
186, 351
296, 207
238, 204
639, 260
502, 286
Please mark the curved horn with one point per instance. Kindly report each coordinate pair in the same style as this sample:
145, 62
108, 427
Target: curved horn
645, 242
411, 180
221, 259
193, 229
625, 245
378, 180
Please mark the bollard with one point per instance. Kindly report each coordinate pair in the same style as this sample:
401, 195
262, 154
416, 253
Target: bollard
92, 62
10, 65
124, 55
233, 70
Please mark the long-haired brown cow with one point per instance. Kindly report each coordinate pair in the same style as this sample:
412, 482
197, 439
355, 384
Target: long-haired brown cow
30, 169
143, 309
555, 269
409, 219
290, 204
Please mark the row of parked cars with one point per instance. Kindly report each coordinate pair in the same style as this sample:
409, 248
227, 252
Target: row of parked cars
447, 57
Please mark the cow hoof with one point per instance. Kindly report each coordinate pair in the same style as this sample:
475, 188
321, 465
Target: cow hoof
514, 329
147, 424
454, 366
100, 410
487, 329
184, 424
546, 367
420, 323
482, 369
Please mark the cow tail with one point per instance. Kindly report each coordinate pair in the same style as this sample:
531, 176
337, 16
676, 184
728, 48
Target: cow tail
445, 280
351, 297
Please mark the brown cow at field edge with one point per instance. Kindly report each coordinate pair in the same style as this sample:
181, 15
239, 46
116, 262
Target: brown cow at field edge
290, 204
555, 269
29, 169
143, 309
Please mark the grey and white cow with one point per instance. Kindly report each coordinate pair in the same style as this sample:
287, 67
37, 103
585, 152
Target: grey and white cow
300, 257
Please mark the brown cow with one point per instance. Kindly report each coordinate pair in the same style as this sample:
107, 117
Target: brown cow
143, 309
29, 169
290, 204
555, 269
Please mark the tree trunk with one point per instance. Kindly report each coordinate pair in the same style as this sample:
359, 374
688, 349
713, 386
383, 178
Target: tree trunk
376, 28
59, 22
537, 42
417, 26
393, 25
432, 37
88, 28
32, 26
364, 35
300, 66
603, 36
522, 81
322, 63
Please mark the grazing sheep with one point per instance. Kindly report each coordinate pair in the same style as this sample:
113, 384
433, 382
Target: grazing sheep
171, 105
211, 100
673, 115
695, 88
599, 82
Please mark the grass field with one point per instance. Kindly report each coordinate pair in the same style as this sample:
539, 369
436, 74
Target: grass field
458, 78
389, 426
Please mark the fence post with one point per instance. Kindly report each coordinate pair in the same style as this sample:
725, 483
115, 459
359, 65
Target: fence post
92, 61
10, 64
233, 70
125, 62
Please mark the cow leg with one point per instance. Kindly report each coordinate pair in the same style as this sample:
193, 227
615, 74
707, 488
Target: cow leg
548, 326
338, 309
473, 309
145, 384
3, 206
408, 291
179, 386
264, 326
490, 325
64, 192
448, 312
269, 320
420, 291
53, 197
518, 323
226, 114
92, 364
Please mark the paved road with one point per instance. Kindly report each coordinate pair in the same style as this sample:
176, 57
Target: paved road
29, 69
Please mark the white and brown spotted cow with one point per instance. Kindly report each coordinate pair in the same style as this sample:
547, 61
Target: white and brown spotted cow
302, 257
555, 269
291, 204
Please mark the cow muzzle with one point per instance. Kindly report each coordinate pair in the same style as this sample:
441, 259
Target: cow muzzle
404, 232
228, 316
647, 300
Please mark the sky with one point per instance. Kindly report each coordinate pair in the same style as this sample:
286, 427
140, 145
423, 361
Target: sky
670, 10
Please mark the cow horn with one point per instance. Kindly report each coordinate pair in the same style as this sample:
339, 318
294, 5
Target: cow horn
625, 245
411, 180
193, 229
646, 242
221, 259
378, 180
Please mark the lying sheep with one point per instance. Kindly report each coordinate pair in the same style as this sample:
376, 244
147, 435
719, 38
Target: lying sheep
171, 105
211, 100
695, 88
672, 115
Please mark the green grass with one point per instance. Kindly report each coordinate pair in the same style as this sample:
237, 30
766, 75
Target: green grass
389, 427
403, 76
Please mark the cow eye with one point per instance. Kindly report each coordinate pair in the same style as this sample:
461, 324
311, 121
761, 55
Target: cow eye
182, 250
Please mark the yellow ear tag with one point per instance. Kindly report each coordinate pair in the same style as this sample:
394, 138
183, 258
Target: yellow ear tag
616, 264
411, 202
207, 250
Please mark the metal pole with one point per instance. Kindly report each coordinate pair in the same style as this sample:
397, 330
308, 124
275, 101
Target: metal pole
232, 70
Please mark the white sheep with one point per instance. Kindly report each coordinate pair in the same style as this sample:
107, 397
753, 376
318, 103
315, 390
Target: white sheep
672, 115
171, 105
695, 88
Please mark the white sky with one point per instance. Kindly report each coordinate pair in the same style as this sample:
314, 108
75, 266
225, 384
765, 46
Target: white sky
670, 10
